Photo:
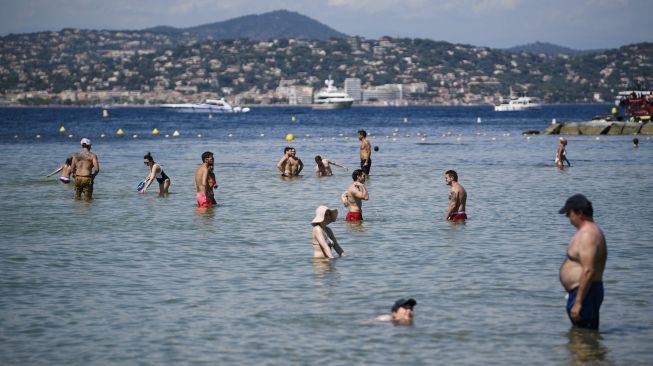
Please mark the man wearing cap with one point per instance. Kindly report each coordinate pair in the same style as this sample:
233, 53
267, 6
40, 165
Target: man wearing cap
581, 274
85, 167
402, 312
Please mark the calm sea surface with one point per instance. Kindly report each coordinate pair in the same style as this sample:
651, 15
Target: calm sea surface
149, 280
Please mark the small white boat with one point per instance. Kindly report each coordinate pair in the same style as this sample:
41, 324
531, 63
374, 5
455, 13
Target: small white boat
331, 98
516, 104
210, 105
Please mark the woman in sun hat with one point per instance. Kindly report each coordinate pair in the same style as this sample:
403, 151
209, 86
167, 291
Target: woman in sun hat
323, 238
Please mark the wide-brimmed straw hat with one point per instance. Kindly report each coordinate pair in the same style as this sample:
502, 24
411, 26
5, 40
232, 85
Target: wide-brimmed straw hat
321, 211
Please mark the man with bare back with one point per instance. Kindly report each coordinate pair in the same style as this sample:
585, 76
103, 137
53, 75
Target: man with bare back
457, 198
85, 167
581, 274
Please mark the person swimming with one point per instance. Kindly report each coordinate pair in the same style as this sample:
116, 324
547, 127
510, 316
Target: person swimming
65, 169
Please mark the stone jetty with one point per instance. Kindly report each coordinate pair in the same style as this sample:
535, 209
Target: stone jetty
600, 128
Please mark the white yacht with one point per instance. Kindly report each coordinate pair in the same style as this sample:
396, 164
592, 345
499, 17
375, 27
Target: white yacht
210, 105
516, 104
331, 98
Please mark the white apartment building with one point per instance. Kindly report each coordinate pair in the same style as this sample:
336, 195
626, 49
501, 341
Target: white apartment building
353, 89
300, 95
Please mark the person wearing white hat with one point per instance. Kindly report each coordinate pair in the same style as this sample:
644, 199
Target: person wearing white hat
85, 167
561, 154
323, 238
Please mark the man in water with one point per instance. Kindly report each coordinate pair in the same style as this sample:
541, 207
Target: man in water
457, 197
204, 188
581, 274
402, 312
323, 167
353, 196
365, 152
85, 167
561, 154
290, 165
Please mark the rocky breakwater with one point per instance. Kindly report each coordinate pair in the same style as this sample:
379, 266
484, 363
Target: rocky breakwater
600, 128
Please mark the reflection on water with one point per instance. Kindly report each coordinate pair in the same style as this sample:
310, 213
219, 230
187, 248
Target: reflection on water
322, 266
585, 347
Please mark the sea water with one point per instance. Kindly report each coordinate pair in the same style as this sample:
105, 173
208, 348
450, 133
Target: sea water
143, 279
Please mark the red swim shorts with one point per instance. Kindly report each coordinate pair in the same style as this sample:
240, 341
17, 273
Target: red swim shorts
458, 216
202, 200
354, 216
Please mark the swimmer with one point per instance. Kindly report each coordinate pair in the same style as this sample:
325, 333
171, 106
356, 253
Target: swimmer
203, 190
365, 152
581, 274
323, 238
561, 154
323, 167
354, 195
85, 167
401, 314
635, 143
457, 197
290, 165
156, 172
65, 169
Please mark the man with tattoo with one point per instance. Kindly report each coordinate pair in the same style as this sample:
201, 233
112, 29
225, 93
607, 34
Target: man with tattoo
457, 197
85, 167
581, 274
290, 165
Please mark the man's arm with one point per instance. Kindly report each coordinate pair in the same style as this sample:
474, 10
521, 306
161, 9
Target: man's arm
360, 191
336, 246
587, 250
55, 171
96, 165
301, 166
338, 164
453, 202
282, 163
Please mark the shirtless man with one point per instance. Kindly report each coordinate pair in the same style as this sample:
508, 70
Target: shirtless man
323, 167
289, 165
365, 153
401, 313
581, 274
203, 185
85, 167
457, 197
353, 196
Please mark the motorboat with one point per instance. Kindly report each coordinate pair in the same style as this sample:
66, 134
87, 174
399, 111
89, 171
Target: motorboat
210, 105
516, 104
331, 98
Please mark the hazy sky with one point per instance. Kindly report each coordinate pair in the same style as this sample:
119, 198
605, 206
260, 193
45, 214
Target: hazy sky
581, 24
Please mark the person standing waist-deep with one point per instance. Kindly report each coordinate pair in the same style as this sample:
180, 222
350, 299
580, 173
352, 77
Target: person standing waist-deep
365, 152
85, 167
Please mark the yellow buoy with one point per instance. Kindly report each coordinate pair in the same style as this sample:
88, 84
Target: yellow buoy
120, 132
614, 110
290, 137
105, 113
155, 132
176, 134
62, 129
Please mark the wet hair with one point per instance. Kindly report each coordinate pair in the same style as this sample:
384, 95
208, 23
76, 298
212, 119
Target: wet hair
206, 155
148, 156
287, 149
69, 161
453, 174
357, 173
318, 159
362, 132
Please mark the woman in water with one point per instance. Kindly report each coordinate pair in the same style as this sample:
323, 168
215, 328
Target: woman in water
65, 169
155, 173
323, 238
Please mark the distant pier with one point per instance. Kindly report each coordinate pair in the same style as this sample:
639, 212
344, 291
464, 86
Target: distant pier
600, 128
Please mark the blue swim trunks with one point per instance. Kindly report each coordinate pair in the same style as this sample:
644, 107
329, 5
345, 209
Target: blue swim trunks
589, 312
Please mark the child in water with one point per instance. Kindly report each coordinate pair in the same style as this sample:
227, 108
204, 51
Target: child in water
65, 169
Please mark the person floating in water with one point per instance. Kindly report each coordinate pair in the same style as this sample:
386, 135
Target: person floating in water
635, 143
354, 195
290, 165
204, 190
457, 197
65, 169
581, 274
401, 312
561, 154
85, 167
323, 167
365, 152
323, 238
156, 172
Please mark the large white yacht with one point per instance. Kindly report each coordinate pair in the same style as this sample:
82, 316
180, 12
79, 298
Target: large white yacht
210, 105
331, 98
516, 104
